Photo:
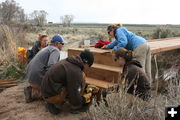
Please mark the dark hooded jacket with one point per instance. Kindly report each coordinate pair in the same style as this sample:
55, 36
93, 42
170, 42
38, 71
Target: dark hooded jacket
67, 73
35, 49
136, 79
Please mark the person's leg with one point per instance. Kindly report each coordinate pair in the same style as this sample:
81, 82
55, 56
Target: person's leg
36, 91
27, 93
51, 103
32, 92
143, 54
139, 54
148, 64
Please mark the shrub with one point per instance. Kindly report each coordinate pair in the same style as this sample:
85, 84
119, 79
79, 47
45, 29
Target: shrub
162, 32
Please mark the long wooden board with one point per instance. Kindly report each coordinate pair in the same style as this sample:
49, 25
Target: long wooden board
8, 83
157, 46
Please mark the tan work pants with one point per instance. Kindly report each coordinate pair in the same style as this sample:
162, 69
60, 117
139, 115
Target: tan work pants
143, 54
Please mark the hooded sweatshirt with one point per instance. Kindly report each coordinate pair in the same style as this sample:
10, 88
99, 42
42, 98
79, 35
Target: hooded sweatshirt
125, 39
67, 73
134, 75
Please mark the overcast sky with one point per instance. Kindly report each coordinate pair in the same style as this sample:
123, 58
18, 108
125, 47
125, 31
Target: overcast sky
109, 11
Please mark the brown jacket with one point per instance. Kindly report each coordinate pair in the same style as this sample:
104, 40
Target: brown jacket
136, 80
67, 74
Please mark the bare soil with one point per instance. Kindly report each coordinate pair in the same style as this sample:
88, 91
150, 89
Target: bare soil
13, 107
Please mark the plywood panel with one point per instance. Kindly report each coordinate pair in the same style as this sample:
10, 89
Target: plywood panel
98, 83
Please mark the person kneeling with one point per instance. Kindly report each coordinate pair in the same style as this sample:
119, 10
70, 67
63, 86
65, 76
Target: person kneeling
136, 80
65, 81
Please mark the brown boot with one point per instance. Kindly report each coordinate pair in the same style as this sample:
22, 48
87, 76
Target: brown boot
27, 93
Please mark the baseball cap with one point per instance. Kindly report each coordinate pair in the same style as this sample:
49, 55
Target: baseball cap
59, 39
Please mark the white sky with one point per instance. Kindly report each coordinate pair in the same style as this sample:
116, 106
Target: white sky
109, 11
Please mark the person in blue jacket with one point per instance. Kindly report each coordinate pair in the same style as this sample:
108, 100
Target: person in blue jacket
130, 41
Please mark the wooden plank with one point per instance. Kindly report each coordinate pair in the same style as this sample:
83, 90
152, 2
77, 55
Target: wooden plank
92, 49
104, 72
107, 67
8, 85
165, 45
7, 80
157, 46
104, 57
98, 83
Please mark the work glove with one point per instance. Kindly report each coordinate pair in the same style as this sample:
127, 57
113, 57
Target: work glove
112, 52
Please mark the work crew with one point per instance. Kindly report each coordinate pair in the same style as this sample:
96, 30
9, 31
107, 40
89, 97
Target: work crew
41, 43
38, 66
130, 41
65, 81
135, 79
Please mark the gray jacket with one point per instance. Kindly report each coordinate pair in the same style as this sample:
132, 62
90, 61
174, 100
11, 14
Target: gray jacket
38, 66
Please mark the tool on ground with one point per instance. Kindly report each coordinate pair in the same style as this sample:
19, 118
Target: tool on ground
90, 92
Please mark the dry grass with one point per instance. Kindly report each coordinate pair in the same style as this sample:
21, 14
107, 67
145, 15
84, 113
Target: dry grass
122, 106
10, 39
165, 93
8, 45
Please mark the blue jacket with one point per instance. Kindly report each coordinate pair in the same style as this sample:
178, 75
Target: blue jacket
125, 39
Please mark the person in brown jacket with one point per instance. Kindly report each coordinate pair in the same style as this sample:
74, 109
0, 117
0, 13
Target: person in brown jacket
136, 80
65, 80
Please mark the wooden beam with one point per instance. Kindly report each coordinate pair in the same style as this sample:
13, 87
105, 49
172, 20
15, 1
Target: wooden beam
98, 83
8, 85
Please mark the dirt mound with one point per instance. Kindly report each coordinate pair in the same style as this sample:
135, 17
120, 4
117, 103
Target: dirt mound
13, 107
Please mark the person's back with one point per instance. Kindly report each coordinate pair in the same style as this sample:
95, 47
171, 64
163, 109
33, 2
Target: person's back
133, 40
135, 76
41, 62
38, 66
69, 74
66, 81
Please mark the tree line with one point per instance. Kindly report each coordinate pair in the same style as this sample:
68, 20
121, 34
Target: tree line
12, 13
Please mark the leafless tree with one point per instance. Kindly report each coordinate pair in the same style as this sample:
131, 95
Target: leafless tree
39, 17
11, 12
67, 20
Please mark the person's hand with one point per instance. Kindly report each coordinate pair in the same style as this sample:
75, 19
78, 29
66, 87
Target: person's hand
104, 47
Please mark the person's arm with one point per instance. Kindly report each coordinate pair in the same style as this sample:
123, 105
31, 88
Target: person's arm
53, 58
35, 48
111, 45
74, 89
121, 39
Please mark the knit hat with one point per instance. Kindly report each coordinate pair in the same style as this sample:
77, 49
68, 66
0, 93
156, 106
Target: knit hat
87, 57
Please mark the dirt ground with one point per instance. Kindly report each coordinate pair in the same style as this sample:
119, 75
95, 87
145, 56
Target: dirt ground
13, 107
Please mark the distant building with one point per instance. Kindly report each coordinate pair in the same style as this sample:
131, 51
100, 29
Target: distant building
50, 22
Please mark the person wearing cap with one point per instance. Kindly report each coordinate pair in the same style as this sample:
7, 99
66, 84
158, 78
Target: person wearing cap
134, 78
41, 43
130, 41
38, 66
65, 81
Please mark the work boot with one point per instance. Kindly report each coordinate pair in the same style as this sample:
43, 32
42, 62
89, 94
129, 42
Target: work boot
52, 108
27, 93
84, 108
